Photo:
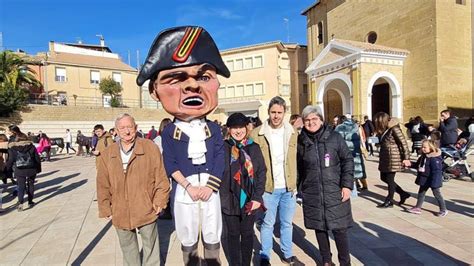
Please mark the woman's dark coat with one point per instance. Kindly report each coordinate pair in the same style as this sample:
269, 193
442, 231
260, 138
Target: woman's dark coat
321, 184
24, 147
431, 174
229, 202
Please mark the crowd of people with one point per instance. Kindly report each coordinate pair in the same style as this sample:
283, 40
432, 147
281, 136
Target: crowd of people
216, 181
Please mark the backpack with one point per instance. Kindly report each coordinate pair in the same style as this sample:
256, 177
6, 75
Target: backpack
24, 160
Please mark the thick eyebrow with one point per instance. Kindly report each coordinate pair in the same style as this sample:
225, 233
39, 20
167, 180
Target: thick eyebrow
180, 75
175, 75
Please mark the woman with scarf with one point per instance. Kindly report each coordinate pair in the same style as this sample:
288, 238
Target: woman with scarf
241, 191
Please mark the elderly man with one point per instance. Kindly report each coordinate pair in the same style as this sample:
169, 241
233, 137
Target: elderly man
182, 67
132, 189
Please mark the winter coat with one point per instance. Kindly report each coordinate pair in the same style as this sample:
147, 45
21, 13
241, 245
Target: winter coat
23, 147
449, 133
132, 196
430, 170
321, 180
350, 132
261, 135
229, 201
43, 145
393, 148
368, 127
103, 142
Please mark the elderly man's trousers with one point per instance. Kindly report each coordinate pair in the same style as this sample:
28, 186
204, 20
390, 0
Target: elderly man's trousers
129, 245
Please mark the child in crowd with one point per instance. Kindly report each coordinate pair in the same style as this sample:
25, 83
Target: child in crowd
430, 175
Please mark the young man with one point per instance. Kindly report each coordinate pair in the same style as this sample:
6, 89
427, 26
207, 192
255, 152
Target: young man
182, 66
104, 139
448, 126
277, 139
132, 189
68, 141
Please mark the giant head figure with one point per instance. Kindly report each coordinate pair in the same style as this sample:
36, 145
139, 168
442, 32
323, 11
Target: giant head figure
182, 66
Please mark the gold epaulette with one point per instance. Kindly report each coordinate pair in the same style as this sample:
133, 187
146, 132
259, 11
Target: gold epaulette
177, 133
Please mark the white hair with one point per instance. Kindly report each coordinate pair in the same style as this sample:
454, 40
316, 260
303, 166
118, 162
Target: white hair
122, 116
309, 109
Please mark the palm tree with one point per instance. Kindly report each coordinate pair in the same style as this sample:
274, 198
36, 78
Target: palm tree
16, 77
15, 72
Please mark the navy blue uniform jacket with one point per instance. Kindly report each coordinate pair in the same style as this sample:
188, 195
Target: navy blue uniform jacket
175, 154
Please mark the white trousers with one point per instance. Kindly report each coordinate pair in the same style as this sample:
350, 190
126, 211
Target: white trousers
189, 215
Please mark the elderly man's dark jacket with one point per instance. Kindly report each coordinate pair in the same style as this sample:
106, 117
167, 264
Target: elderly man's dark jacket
321, 180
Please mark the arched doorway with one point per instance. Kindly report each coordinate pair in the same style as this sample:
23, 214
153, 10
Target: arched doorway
334, 95
333, 104
384, 95
381, 97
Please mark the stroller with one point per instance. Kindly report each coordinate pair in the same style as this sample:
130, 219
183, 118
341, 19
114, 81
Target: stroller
455, 163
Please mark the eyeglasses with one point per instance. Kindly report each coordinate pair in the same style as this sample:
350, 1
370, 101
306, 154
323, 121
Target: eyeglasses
314, 119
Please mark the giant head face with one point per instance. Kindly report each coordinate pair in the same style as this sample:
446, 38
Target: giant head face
182, 67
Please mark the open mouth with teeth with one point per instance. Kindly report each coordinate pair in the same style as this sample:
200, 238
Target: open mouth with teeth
193, 101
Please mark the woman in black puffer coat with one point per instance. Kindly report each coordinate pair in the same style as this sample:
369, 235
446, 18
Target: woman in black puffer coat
325, 178
25, 163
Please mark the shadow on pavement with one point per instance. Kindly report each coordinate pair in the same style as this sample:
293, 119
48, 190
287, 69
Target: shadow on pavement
299, 239
452, 206
26, 234
83, 255
47, 174
398, 249
65, 189
55, 181
372, 196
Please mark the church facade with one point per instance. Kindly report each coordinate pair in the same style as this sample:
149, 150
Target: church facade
406, 58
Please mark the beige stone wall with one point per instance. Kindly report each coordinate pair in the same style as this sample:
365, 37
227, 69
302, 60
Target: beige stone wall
78, 82
437, 34
454, 57
281, 66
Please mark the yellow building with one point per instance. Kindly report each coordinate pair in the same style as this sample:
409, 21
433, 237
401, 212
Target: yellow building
258, 73
403, 57
71, 73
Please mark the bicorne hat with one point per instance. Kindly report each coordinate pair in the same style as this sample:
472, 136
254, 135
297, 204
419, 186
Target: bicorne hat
181, 46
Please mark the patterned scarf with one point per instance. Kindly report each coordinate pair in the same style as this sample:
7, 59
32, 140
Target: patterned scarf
241, 170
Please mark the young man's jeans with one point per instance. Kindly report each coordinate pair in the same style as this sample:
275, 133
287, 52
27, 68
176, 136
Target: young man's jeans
285, 203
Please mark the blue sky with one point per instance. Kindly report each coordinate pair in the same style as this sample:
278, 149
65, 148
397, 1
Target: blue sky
132, 25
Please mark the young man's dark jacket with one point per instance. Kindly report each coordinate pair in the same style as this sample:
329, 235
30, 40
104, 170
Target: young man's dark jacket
230, 189
23, 147
321, 181
449, 133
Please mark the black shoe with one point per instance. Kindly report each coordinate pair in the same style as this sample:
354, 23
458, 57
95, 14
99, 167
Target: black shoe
403, 198
293, 260
31, 204
265, 262
386, 204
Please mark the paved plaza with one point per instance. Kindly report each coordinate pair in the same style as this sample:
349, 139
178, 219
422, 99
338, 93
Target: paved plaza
63, 228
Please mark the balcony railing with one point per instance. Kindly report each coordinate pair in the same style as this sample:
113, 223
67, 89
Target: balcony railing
65, 100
